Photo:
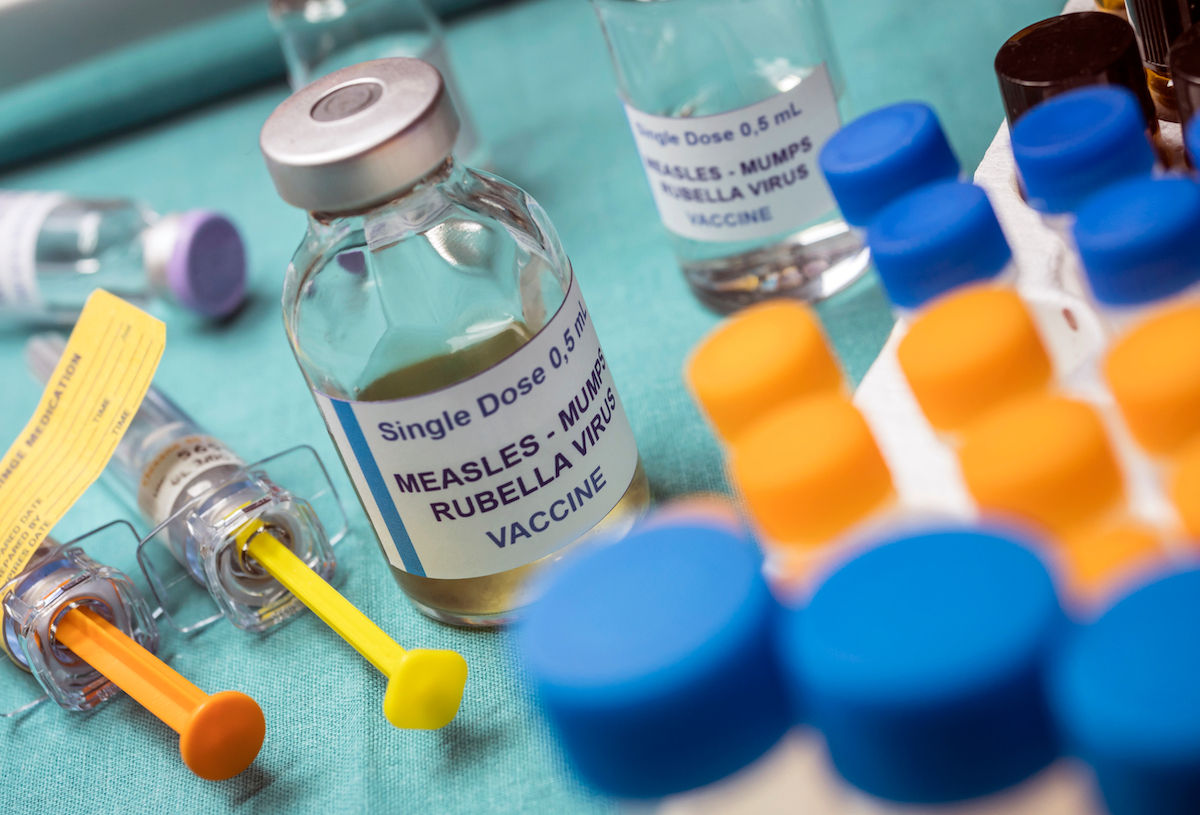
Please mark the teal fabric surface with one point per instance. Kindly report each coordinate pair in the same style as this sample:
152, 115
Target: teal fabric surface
156, 77
538, 79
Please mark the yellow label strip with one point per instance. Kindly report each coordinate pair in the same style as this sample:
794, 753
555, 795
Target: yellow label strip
91, 398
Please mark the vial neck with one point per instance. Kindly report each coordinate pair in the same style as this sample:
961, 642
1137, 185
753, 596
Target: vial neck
404, 198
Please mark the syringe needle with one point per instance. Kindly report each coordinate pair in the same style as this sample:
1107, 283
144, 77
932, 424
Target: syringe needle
219, 735
425, 687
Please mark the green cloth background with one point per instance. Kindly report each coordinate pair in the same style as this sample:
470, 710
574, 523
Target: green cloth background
538, 79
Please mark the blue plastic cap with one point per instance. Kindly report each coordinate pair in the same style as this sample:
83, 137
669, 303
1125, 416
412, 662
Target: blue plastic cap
1073, 145
878, 157
922, 662
1127, 693
1192, 139
935, 239
1139, 240
654, 659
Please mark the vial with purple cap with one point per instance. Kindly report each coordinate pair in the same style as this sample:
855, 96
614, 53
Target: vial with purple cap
55, 249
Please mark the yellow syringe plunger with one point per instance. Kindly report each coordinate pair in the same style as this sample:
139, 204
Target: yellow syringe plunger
425, 687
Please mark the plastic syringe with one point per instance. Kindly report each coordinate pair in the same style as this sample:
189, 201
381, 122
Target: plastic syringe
84, 630
260, 550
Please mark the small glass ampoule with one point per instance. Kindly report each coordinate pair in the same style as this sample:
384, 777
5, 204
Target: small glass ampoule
439, 323
57, 249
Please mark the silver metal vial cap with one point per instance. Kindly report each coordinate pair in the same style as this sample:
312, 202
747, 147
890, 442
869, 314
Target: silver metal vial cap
359, 136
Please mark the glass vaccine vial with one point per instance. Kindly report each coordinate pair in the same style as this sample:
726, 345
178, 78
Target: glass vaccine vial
729, 115
55, 250
1184, 59
321, 36
440, 326
1070, 51
1159, 23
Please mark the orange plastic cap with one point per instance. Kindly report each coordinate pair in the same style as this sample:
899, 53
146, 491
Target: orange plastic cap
757, 360
1101, 560
1154, 374
970, 352
1185, 488
810, 469
1044, 458
223, 736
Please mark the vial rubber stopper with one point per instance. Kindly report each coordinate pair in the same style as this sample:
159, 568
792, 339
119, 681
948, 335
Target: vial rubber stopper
1045, 459
935, 239
1137, 240
757, 359
809, 470
1153, 374
922, 662
425, 686
360, 135
654, 660
1124, 691
883, 155
971, 351
1072, 146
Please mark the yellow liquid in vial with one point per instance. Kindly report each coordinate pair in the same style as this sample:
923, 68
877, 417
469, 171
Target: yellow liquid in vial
491, 599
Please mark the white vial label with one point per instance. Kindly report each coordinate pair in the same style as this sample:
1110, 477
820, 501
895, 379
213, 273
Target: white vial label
21, 217
498, 470
174, 468
742, 175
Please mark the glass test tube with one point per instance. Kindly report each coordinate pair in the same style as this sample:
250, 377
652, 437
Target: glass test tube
57, 249
728, 116
1158, 24
1184, 59
319, 37
921, 662
1070, 147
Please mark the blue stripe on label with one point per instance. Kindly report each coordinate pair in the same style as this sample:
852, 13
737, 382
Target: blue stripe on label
379, 490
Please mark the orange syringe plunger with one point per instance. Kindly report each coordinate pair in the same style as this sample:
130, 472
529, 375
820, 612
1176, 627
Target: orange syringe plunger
84, 631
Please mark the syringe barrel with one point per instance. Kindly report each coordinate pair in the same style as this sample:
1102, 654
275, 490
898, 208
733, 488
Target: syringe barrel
175, 473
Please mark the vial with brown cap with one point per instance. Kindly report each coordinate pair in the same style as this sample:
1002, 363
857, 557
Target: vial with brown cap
1069, 51
440, 326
